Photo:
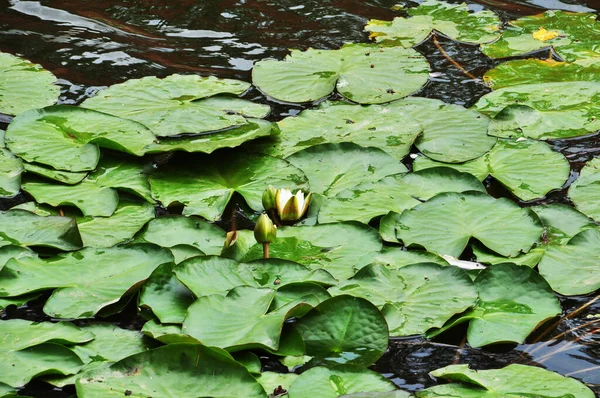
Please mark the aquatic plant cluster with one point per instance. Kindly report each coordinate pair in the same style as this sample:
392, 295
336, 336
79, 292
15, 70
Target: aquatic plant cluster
376, 254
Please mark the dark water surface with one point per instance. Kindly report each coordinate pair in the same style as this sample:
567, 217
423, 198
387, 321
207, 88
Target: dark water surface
90, 44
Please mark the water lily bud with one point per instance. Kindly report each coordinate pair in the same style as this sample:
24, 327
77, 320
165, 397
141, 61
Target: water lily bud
265, 231
291, 207
268, 198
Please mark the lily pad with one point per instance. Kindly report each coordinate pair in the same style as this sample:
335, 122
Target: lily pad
395, 257
513, 380
178, 104
345, 330
573, 36
584, 191
24, 85
67, 137
513, 301
445, 223
21, 227
394, 193
333, 247
205, 189
86, 281
456, 21
542, 111
11, 169
390, 129
173, 370
414, 298
341, 380
66, 177
367, 74
126, 175
476, 167
328, 171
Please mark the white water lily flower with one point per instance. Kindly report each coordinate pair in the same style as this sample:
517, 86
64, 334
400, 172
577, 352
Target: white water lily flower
291, 207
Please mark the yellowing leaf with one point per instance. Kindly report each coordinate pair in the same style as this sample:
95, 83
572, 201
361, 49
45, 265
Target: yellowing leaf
544, 35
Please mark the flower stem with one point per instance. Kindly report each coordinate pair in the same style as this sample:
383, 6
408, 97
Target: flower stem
266, 250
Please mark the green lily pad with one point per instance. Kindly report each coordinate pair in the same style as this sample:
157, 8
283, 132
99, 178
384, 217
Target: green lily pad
542, 111
445, 223
451, 133
573, 269
272, 380
206, 189
167, 333
240, 320
328, 171
476, 167
178, 104
389, 394
24, 85
573, 36
18, 334
390, 129
414, 298
127, 175
90, 198
367, 74
513, 380
341, 380
345, 330
453, 20
339, 248
173, 370
395, 257
122, 225
67, 137
86, 281
17, 301
66, 177
528, 71
171, 231
11, 169
208, 143
21, 227
513, 301
394, 193
584, 191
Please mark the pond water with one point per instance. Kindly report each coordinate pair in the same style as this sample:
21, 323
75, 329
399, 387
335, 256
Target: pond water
91, 44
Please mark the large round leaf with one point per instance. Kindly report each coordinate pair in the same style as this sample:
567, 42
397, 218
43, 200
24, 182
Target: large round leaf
394, 193
381, 126
65, 137
24, 85
11, 169
345, 329
127, 175
329, 172
87, 280
363, 73
393, 257
574, 36
178, 104
476, 167
66, 177
453, 20
331, 383
513, 380
414, 298
339, 248
176, 370
445, 223
543, 111
205, 189
584, 192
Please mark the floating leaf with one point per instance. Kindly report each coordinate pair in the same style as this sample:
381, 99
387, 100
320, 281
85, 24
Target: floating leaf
394, 193
11, 169
453, 20
513, 301
173, 370
395, 257
345, 330
414, 298
66, 177
445, 223
24, 85
126, 175
573, 36
332, 247
178, 104
65, 137
381, 126
206, 189
363, 73
87, 280
272, 380
476, 167
584, 191
542, 111
330, 383
513, 380
328, 171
